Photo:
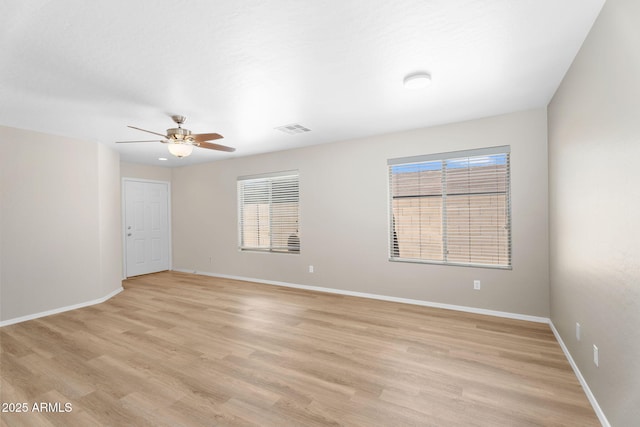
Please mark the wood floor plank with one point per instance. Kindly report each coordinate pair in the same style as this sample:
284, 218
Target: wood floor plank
178, 349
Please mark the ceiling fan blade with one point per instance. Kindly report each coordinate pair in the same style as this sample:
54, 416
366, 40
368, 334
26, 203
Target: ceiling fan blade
218, 147
148, 140
201, 137
148, 131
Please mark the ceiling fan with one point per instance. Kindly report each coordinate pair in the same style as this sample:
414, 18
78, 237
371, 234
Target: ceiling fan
181, 141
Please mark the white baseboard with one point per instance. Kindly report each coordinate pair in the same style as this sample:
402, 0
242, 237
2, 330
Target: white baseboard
583, 382
61, 309
378, 297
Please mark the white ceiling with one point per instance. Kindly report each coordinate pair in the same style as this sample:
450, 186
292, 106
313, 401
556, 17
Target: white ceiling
86, 69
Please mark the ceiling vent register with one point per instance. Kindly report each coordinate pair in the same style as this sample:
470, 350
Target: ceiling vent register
293, 129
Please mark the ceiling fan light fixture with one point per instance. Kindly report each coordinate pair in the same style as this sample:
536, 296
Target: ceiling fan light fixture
179, 149
417, 80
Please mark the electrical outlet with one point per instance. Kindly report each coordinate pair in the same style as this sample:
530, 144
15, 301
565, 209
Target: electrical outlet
578, 331
596, 356
311, 269
476, 285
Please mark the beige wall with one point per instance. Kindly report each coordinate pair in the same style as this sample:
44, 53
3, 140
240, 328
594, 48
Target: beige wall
344, 218
594, 148
155, 173
60, 222
109, 200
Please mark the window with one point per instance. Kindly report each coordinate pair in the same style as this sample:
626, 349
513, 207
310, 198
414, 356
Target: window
268, 212
452, 208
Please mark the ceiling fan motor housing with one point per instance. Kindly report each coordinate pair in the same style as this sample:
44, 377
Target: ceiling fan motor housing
179, 134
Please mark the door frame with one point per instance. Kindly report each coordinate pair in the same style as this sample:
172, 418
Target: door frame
123, 204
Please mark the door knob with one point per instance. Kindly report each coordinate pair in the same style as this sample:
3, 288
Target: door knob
129, 234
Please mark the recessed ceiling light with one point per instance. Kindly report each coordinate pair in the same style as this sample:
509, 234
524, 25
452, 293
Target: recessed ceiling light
417, 80
162, 159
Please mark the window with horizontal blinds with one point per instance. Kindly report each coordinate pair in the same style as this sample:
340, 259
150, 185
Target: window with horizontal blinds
268, 212
452, 208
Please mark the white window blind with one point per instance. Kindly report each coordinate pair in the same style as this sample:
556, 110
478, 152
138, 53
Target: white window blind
268, 212
452, 208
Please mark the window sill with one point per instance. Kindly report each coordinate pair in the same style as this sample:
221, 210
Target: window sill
453, 264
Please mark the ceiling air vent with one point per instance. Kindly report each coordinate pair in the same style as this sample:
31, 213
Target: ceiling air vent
293, 128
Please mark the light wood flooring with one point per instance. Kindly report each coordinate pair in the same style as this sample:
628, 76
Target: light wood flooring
177, 349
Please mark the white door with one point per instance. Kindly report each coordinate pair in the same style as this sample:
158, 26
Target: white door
146, 227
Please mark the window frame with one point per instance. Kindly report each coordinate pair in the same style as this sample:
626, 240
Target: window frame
269, 179
444, 157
